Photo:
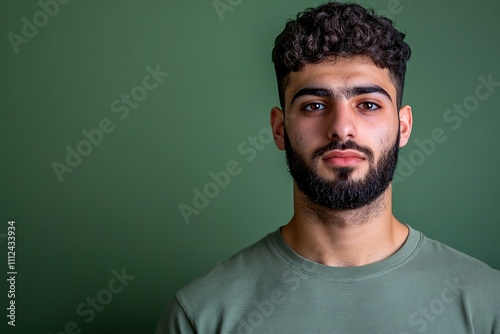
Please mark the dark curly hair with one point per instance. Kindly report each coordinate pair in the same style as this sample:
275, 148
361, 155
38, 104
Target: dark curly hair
339, 29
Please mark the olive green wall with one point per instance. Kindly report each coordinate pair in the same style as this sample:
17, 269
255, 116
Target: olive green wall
114, 211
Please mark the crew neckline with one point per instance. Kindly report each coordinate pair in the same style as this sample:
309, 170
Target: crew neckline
311, 268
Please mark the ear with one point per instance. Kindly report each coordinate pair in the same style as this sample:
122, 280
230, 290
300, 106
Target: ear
278, 127
405, 124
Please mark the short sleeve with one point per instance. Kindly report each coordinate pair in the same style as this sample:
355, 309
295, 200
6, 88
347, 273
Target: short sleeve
174, 320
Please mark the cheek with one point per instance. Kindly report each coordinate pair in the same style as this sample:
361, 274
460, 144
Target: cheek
303, 144
300, 143
386, 142
385, 130
382, 140
312, 134
299, 134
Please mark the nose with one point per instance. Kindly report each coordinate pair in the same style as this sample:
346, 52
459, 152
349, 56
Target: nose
342, 122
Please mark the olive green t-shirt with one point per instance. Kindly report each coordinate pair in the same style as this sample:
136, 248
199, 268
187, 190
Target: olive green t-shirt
425, 287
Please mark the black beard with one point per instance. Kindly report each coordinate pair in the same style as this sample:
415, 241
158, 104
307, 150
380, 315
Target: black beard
343, 193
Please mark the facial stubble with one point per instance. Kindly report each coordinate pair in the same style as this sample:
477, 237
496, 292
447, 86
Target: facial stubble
343, 192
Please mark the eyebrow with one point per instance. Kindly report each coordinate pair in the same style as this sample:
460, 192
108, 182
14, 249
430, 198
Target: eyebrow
347, 92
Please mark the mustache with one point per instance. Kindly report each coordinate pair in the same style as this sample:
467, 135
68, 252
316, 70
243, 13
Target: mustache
348, 145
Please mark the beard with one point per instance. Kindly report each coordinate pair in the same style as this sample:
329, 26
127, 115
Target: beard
344, 192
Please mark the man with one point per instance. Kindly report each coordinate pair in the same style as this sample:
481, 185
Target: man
344, 263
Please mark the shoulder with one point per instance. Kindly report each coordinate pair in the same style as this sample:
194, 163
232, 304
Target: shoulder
224, 291
447, 276
475, 276
449, 257
240, 272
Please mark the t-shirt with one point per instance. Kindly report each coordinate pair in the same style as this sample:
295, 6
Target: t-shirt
425, 287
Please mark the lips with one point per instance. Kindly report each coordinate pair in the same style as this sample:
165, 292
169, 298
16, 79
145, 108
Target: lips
343, 158
343, 154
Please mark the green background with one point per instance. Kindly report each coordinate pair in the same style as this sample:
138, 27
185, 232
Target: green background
119, 207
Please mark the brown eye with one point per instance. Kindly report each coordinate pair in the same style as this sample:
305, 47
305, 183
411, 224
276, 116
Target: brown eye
313, 107
369, 106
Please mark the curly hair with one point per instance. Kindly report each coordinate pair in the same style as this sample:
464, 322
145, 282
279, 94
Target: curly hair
335, 30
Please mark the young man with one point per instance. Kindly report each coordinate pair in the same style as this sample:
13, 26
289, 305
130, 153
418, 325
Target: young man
344, 263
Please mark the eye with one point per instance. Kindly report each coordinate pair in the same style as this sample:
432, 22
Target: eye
368, 106
314, 107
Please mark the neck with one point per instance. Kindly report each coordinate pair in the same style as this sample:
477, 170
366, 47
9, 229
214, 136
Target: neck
344, 238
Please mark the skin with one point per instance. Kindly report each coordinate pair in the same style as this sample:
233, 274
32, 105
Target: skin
350, 237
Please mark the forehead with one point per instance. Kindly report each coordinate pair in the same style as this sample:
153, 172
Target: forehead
338, 74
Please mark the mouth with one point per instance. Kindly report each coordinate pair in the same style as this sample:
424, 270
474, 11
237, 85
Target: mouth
343, 158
